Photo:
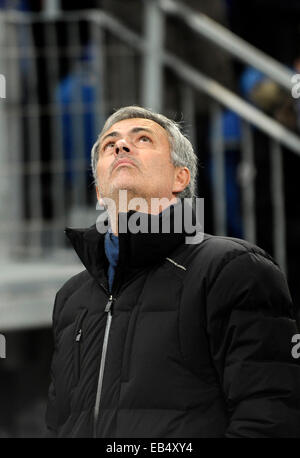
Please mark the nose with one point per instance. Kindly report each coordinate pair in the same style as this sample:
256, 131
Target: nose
121, 146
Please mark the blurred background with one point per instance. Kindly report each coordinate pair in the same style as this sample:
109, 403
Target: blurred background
221, 67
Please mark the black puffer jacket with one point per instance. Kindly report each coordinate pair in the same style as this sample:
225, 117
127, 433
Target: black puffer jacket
194, 342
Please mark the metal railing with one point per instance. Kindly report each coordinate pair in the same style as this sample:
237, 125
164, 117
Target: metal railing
227, 40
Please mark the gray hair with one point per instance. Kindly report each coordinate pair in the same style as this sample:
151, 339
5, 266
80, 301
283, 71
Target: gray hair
182, 152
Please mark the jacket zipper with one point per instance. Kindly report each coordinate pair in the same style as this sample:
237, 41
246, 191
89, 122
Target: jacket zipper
108, 310
102, 362
78, 336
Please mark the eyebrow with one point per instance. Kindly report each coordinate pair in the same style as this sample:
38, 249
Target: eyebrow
134, 130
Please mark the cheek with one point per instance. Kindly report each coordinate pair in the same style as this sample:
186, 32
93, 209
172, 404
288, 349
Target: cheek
102, 168
164, 168
159, 165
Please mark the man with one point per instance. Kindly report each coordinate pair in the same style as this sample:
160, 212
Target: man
159, 337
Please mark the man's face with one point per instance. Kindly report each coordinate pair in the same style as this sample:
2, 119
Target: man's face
134, 154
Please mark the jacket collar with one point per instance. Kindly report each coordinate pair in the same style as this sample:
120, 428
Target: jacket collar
136, 250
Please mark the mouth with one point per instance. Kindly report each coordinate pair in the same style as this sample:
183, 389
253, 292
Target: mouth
123, 162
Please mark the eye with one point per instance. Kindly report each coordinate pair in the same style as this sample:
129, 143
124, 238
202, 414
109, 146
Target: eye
144, 139
108, 146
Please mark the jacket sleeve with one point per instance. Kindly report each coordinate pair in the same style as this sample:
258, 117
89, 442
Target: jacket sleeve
250, 324
52, 408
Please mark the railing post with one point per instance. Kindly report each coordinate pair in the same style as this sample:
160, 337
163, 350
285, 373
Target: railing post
152, 67
98, 40
277, 193
51, 8
78, 163
34, 119
13, 137
57, 157
246, 174
218, 170
188, 109
5, 181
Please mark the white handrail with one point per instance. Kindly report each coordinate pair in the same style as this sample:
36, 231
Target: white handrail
227, 98
224, 38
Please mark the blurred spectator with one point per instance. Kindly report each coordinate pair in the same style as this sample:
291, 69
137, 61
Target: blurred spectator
231, 131
21, 5
297, 101
269, 97
77, 96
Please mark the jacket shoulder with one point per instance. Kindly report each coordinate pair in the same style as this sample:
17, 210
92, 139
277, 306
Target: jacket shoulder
220, 252
75, 282
227, 248
242, 269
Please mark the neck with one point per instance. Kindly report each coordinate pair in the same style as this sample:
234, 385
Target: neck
124, 202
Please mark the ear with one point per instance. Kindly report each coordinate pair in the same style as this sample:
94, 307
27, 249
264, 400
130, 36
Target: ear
181, 179
99, 198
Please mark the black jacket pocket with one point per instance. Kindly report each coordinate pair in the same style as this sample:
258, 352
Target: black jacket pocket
77, 344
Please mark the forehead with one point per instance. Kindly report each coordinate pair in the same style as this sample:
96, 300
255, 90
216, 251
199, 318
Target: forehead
126, 125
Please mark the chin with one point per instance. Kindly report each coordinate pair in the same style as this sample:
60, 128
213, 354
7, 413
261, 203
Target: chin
127, 183
131, 188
